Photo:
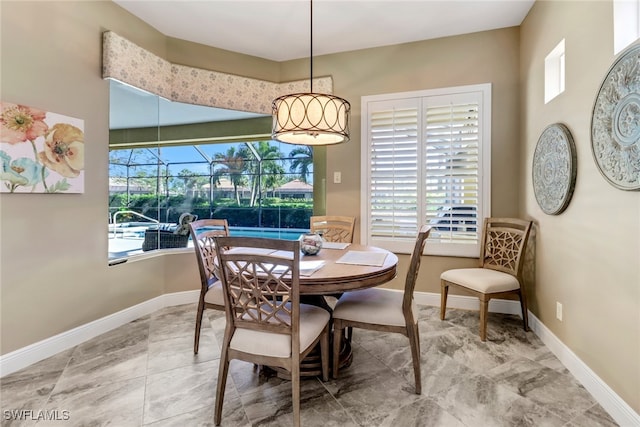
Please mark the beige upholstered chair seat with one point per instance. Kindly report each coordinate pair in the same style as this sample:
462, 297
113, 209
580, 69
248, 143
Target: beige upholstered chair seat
377, 306
312, 321
482, 279
214, 294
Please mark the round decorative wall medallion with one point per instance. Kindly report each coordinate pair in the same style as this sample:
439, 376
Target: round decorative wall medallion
554, 169
615, 124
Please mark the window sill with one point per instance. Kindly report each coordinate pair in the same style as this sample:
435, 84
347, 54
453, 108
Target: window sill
150, 254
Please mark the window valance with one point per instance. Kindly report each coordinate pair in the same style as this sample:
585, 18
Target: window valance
129, 63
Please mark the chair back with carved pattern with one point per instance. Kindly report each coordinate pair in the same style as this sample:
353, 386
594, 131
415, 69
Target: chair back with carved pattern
203, 233
334, 228
503, 244
260, 279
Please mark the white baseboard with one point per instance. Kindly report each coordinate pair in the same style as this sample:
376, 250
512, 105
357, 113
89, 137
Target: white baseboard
619, 410
23, 357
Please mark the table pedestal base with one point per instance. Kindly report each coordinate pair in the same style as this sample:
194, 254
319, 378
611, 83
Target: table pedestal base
311, 366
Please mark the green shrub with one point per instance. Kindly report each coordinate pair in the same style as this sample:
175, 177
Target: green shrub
274, 212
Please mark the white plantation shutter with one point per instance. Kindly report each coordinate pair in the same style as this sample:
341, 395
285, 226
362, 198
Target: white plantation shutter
394, 172
452, 163
428, 161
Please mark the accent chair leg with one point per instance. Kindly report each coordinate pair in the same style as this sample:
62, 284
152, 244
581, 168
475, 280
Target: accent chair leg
525, 310
484, 312
444, 291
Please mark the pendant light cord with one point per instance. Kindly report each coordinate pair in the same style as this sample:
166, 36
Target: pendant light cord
311, 45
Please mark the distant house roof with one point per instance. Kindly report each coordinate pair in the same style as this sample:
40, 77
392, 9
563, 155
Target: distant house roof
119, 185
295, 186
224, 184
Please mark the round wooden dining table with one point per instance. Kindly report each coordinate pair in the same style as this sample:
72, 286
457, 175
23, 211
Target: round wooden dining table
336, 277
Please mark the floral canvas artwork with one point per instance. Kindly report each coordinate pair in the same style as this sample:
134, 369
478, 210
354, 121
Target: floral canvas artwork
40, 151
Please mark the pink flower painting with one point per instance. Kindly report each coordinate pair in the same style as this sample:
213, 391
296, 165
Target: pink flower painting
40, 151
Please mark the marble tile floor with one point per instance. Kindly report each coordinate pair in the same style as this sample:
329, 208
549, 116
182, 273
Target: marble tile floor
145, 374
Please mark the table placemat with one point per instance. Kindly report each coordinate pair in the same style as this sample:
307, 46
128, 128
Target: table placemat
363, 258
250, 251
307, 268
335, 245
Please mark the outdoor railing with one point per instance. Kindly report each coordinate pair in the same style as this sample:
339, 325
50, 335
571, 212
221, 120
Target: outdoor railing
113, 226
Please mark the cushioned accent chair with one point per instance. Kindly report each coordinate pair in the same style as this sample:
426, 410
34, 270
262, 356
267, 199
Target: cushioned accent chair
384, 310
333, 228
266, 324
499, 274
203, 233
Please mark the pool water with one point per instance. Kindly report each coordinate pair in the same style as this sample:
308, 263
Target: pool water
285, 234
129, 243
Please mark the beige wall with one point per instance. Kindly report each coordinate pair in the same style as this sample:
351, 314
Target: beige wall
588, 257
200, 56
53, 248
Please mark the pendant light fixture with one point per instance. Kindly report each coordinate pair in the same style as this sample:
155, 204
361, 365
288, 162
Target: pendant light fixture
311, 118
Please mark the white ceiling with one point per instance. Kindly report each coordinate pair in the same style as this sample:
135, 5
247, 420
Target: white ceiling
280, 29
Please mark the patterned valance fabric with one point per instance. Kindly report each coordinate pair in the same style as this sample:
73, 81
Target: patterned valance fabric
129, 63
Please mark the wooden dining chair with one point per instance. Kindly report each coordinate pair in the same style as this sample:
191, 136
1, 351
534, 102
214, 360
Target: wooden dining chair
500, 271
203, 233
384, 310
266, 324
333, 228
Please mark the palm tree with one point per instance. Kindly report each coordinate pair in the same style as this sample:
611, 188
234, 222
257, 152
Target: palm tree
266, 171
191, 181
234, 165
302, 161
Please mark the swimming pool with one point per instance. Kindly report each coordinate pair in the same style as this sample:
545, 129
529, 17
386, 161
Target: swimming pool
128, 238
271, 233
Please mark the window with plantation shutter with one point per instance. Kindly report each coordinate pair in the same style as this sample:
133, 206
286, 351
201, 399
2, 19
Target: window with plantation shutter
393, 181
427, 160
